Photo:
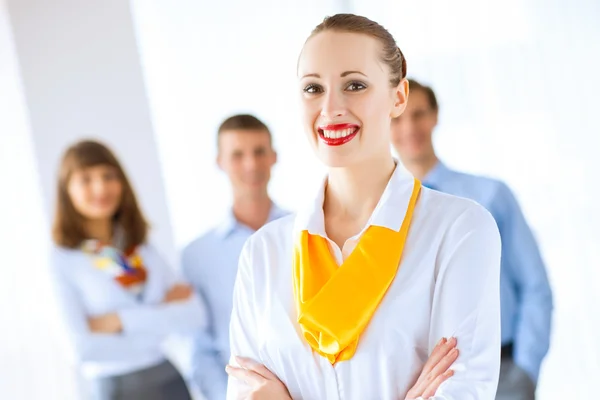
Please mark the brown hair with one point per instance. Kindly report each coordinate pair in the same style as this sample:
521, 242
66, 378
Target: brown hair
68, 229
431, 99
243, 122
391, 54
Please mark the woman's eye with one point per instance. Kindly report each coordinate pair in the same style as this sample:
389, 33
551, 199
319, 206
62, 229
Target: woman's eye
356, 86
313, 89
84, 179
111, 175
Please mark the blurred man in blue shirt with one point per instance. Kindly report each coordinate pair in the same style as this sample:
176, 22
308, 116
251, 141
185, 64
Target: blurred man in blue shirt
526, 298
209, 263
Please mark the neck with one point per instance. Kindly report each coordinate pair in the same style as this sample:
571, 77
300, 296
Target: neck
352, 193
100, 229
419, 168
252, 211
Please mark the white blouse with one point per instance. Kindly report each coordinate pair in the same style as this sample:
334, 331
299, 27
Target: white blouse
82, 290
447, 285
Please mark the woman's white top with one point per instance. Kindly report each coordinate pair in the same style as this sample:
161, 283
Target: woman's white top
83, 291
447, 285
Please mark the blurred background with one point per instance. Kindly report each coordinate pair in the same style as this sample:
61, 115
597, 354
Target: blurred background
516, 81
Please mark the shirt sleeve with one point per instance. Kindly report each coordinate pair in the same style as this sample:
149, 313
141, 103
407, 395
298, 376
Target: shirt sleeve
243, 332
165, 318
466, 305
87, 346
208, 370
523, 261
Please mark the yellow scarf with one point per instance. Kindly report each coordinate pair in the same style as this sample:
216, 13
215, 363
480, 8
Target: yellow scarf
335, 304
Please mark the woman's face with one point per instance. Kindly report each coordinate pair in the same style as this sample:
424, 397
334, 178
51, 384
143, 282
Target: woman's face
347, 99
96, 191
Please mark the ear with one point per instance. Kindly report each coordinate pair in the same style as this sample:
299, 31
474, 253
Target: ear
218, 160
400, 98
274, 157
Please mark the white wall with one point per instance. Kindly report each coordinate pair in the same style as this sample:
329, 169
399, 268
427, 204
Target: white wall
517, 82
30, 362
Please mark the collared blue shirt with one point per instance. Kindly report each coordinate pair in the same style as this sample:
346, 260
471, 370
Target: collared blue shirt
210, 264
526, 297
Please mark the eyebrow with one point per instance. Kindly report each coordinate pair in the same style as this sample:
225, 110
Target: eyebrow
343, 74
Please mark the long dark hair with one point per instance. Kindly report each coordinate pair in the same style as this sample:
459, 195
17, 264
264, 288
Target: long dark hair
68, 227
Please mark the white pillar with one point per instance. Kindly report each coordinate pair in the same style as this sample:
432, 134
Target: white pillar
83, 78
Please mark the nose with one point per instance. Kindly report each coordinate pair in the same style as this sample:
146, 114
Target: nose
98, 187
250, 162
333, 105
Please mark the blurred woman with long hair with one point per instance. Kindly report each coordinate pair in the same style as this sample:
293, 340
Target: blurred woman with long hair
118, 297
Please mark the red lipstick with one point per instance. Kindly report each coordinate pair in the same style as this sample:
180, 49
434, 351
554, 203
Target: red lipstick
337, 134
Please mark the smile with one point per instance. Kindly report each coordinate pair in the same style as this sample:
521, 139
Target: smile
337, 134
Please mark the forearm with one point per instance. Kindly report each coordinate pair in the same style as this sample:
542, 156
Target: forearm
532, 338
163, 319
92, 347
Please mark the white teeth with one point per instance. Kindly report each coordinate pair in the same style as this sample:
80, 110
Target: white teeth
337, 134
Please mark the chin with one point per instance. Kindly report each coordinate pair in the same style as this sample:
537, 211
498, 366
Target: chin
100, 214
412, 155
333, 159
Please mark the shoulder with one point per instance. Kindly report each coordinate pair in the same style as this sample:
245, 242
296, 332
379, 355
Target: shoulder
492, 185
204, 241
492, 193
445, 206
469, 235
280, 212
62, 257
464, 237
475, 218
457, 216
66, 262
269, 245
478, 181
197, 253
274, 235
279, 225
496, 194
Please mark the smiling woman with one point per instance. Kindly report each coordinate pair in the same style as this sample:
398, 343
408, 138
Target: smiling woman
356, 295
374, 65
118, 298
